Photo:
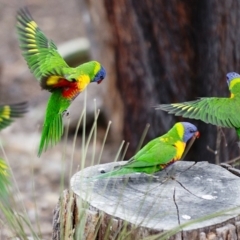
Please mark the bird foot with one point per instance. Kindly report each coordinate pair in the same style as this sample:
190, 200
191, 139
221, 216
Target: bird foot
65, 113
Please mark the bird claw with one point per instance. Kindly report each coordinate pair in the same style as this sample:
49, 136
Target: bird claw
65, 113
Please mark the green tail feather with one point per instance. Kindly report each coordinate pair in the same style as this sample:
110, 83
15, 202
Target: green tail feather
114, 173
53, 124
51, 134
120, 171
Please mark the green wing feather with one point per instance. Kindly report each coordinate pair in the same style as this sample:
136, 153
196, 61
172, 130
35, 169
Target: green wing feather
154, 153
4, 179
11, 111
40, 53
53, 124
217, 111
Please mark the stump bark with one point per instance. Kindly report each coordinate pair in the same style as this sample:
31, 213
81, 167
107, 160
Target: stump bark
187, 200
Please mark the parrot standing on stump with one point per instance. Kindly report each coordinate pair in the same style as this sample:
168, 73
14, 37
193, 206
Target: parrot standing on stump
158, 153
54, 75
222, 112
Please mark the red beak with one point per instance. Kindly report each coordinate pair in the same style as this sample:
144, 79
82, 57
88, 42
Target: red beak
197, 134
98, 82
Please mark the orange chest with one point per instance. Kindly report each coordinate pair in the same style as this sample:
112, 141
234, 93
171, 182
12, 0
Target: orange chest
71, 91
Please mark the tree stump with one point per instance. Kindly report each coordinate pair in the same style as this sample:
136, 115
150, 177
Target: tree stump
187, 200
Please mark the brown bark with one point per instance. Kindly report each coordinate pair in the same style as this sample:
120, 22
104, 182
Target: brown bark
169, 51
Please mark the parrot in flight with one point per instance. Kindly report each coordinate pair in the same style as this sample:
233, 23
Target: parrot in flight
11, 111
158, 153
7, 113
54, 75
222, 112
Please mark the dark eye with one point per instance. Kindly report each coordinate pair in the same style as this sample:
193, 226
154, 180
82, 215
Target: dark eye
101, 77
192, 131
73, 80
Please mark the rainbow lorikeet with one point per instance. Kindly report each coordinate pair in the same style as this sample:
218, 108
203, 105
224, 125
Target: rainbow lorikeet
217, 111
54, 75
7, 114
10, 111
158, 153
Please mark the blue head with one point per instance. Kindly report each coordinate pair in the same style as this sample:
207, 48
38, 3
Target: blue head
190, 130
100, 75
230, 76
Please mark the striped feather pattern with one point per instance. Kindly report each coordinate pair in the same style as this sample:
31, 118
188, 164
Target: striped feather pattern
217, 111
11, 111
39, 52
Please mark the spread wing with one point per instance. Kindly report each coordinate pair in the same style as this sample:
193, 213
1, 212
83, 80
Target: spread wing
40, 53
222, 112
9, 112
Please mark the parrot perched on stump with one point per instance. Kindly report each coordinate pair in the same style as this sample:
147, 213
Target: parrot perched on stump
158, 153
222, 112
54, 75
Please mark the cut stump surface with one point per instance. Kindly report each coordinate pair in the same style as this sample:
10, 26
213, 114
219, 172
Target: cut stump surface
180, 194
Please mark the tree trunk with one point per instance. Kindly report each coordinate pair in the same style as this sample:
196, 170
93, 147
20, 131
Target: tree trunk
163, 52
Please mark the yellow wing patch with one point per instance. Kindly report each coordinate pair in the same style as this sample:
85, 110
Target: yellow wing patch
32, 40
33, 50
31, 25
30, 30
189, 109
32, 45
53, 80
5, 113
29, 35
177, 105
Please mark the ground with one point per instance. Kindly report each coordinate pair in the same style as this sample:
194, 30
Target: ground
37, 181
